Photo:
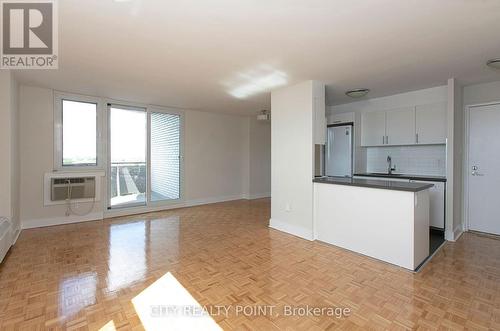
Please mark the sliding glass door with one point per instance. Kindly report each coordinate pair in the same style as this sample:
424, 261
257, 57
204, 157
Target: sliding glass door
128, 156
145, 156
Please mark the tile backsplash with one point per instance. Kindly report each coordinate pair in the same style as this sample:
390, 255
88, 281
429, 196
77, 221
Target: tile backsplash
414, 160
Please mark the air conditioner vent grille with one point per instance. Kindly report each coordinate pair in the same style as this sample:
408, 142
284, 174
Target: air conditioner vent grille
73, 188
71, 180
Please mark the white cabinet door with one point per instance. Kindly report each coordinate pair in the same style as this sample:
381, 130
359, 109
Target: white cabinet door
400, 126
373, 129
342, 118
319, 113
431, 123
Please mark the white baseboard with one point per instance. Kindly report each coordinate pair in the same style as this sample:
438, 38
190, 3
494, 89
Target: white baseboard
181, 204
38, 223
206, 201
259, 196
43, 222
457, 233
295, 230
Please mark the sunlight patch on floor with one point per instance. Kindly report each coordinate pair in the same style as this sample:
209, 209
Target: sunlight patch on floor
167, 305
110, 326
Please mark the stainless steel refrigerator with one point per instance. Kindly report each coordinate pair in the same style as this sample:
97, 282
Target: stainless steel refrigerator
338, 150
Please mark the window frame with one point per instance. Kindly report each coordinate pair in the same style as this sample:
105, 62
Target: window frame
58, 131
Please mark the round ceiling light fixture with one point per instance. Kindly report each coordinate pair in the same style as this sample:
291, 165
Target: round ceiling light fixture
494, 63
357, 93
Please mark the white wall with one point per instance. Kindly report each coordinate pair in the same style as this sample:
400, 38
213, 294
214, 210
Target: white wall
458, 155
259, 158
36, 155
216, 158
481, 93
215, 155
455, 136
5, 142
292, 159
15, 155
9, 174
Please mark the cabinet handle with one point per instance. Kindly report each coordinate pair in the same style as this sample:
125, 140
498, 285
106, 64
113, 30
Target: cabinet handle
383, 140
416, 137
387, 140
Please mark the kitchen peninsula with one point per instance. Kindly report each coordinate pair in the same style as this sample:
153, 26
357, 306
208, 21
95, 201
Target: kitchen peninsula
385, 220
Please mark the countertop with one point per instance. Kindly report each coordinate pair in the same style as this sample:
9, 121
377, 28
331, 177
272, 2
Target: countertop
405, 176
380, 184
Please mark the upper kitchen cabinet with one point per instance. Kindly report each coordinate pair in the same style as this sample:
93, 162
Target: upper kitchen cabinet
373, 129
431, 123
422, 124
400, 126
342, 118
319, 113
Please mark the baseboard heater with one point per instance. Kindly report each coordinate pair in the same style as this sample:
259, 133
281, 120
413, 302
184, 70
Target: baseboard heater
6, 234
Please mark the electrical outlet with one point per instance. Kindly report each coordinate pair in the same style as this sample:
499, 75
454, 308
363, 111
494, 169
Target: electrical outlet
287, 207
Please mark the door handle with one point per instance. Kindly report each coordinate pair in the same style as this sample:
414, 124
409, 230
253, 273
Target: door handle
475, 172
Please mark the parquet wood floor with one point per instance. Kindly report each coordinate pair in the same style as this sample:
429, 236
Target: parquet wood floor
84, 276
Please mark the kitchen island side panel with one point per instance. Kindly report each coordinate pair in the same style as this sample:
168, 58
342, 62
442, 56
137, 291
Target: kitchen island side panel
379, 223
421, 226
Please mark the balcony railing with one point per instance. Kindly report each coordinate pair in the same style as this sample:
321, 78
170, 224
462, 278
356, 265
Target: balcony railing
128, 183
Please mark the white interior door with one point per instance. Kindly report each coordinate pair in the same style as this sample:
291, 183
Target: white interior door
483, 169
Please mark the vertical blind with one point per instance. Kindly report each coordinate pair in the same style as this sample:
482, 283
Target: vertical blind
165, 156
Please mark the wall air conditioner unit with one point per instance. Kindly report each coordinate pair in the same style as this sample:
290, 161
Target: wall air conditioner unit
73, 188
5, 237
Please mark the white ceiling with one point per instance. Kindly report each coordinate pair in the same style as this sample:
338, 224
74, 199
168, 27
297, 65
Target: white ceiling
225, 55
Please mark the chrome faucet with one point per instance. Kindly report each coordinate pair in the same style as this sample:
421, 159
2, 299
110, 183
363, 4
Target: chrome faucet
390, 168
